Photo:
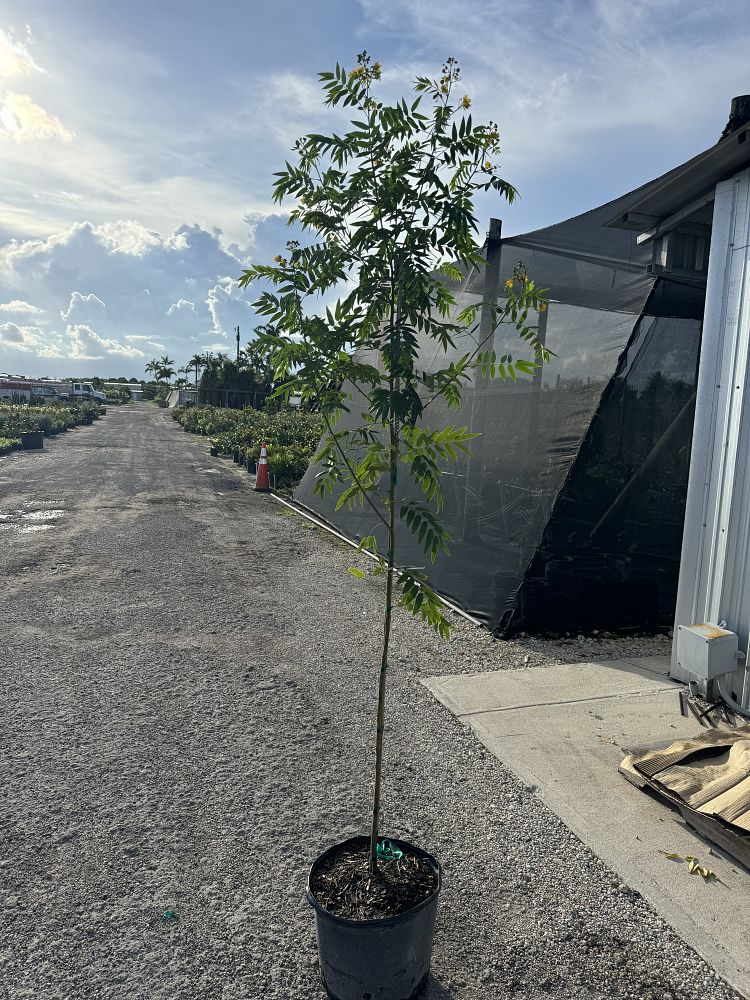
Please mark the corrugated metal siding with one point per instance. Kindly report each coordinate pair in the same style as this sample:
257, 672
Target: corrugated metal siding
715, 568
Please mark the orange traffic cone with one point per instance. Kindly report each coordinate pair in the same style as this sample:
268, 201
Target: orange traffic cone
262, 483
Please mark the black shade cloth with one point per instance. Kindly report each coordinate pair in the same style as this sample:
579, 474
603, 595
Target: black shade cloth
568, 513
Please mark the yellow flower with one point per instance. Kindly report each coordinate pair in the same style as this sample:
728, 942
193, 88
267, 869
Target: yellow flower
542, 307
487, 165
278, 259
466, 101
524, 278
509, 283
376, 70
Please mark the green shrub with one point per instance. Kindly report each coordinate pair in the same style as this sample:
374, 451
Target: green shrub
8, 444
17, 418
292, 436
288, 464
117, 395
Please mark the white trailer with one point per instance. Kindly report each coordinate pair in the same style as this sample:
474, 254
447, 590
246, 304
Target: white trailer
16, 388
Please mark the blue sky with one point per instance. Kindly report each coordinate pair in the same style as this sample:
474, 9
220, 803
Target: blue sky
138, 140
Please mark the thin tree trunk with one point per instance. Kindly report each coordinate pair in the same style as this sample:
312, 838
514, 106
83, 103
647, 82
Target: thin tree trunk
384, 657
395, 314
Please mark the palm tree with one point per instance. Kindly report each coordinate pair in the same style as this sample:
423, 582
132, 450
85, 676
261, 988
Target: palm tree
166, 371
197, 361
152, 368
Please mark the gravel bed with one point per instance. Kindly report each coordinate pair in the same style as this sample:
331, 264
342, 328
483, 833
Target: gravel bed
188, 698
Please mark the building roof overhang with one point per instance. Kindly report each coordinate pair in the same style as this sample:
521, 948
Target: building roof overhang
683, 194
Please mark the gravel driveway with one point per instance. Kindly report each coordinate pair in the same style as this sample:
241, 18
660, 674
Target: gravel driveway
187, 696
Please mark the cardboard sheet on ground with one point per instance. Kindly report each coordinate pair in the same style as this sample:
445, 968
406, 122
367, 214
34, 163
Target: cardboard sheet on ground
707, 778
564, 730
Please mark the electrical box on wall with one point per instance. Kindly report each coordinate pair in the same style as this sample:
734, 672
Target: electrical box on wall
706, 651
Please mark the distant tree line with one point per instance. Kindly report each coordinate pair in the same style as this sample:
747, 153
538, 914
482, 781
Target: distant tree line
218, 379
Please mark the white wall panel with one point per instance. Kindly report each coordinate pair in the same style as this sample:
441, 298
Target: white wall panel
715, 568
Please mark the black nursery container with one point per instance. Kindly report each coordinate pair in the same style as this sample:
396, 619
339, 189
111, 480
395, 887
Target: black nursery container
385, 959
31, 440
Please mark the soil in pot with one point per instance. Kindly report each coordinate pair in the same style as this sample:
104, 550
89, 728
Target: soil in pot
374, 932
345, 887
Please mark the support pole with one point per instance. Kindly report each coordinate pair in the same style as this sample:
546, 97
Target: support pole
480, 385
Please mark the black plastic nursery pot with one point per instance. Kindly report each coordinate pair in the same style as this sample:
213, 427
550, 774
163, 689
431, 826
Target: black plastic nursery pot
31, 440
386, 959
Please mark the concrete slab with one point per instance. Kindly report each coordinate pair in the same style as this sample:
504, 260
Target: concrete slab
564, 730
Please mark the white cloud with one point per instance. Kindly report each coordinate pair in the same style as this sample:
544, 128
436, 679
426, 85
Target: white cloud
22, 119
15, 56
64, 198
50, 351
182, 305
20, 338
83, 341
83, 308
108, 294
300, 98
126, 236
17, 306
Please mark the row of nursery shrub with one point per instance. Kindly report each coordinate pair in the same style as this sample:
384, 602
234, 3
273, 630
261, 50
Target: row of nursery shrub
17, 419
291, 437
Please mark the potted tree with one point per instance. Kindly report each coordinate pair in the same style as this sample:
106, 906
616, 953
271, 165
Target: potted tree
389, 208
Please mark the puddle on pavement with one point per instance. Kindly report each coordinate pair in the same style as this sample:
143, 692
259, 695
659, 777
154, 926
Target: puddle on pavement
18, 520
